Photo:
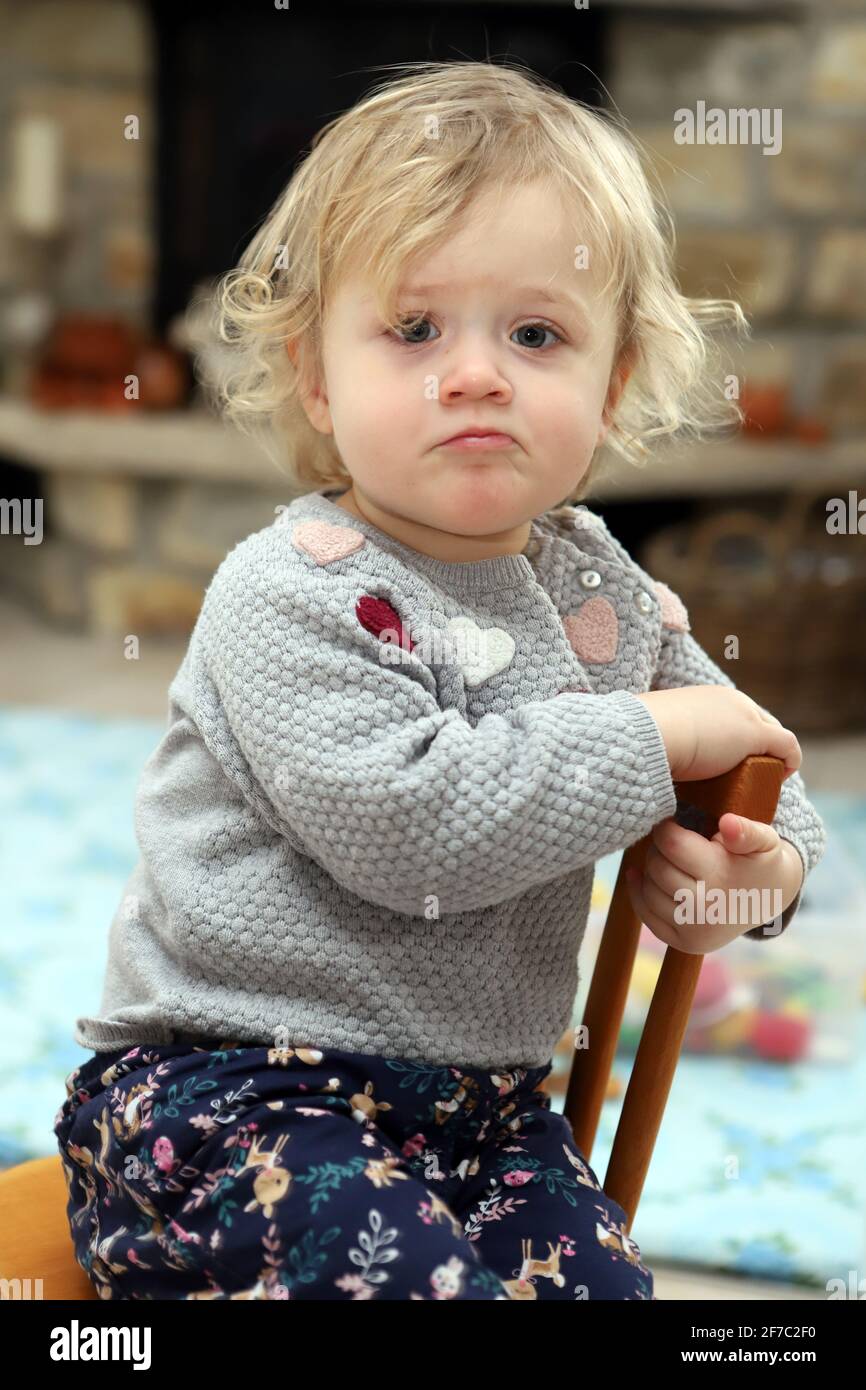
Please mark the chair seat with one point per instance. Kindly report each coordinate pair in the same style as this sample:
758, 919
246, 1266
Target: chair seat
35, 1240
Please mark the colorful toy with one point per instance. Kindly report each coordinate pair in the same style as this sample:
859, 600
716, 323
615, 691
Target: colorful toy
730, 1015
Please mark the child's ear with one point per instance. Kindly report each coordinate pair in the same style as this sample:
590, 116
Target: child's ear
619, 377
311, 392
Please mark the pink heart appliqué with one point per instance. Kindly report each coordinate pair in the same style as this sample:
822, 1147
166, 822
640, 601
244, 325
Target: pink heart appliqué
673, 610
326, 542
594, 631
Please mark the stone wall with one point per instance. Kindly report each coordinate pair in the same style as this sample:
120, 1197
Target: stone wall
87, 63
786, 233
134, 555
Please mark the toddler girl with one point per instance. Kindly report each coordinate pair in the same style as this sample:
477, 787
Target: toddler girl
414, 712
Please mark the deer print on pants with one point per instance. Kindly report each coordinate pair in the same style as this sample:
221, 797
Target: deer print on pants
254, 1171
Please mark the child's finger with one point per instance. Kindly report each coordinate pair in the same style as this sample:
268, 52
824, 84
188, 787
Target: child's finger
687, 850
667, 876
657, 925
740, 835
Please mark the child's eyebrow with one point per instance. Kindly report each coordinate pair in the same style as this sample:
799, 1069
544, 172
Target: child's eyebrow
530, 291
537, 291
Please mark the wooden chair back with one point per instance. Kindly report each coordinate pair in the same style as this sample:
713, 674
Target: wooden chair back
750, 789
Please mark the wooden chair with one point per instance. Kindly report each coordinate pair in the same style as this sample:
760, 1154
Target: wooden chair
751, 789
35, 1241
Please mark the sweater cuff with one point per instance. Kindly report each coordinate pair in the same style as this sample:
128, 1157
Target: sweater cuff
655, 757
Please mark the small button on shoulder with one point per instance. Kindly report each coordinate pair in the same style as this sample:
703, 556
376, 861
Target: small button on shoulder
643, 602
589, 579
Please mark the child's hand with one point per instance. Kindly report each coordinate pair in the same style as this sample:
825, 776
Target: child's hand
744, 854
709, 729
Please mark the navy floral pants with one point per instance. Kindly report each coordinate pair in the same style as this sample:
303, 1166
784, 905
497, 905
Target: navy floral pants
216, 1170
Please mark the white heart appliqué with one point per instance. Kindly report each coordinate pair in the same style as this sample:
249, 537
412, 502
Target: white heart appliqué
482, 652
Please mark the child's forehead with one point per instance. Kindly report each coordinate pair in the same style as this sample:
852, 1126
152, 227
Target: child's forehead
528, 235
571, 291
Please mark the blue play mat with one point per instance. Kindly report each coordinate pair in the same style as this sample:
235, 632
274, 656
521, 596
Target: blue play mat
795, 1210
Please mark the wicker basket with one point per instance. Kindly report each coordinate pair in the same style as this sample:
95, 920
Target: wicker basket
793, 594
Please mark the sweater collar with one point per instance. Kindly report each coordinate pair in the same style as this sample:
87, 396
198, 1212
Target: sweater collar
479, 576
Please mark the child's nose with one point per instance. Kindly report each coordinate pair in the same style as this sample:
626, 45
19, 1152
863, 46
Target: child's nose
475, 372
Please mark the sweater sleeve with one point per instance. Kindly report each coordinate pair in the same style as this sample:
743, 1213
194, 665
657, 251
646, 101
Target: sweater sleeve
682, 662
404, 803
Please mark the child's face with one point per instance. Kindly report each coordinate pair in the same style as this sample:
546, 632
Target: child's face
492, 352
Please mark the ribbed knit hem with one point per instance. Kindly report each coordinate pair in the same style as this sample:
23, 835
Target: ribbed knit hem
656, 764
105, 1036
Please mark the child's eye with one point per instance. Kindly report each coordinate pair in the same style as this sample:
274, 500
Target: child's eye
406, 336
414, 329
534, 327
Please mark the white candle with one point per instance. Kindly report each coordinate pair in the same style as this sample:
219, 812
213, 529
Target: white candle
37, 175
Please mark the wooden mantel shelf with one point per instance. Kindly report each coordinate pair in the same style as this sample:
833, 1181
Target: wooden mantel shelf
188, 444
195, 445
741, 464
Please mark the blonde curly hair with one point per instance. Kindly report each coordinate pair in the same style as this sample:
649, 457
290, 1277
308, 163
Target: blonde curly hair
387, 181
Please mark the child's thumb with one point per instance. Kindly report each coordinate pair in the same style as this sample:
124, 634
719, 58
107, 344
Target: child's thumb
743, 836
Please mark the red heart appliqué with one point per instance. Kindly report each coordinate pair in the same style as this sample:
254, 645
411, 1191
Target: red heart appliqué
378, 617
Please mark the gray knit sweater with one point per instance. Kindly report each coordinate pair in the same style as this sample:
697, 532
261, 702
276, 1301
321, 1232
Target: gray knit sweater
372, 820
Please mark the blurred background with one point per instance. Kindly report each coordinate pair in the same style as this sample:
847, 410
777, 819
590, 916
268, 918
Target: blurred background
143, 142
